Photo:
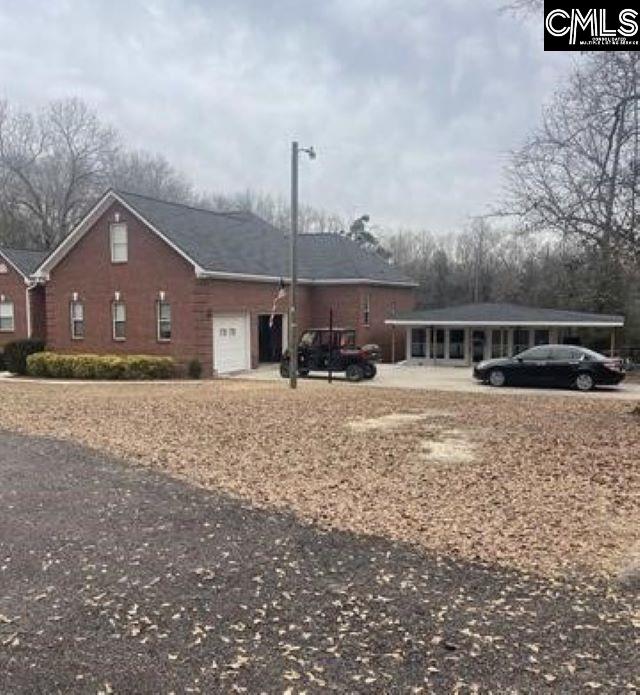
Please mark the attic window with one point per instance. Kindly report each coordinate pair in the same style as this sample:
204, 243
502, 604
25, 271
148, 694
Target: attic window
119, 243
3, 269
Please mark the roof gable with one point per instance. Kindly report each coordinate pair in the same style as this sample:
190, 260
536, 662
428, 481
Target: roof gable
78, 232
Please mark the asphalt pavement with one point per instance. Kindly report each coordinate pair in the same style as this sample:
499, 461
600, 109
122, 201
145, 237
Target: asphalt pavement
117, 579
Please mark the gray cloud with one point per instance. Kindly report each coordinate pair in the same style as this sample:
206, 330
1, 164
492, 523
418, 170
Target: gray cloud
410, 104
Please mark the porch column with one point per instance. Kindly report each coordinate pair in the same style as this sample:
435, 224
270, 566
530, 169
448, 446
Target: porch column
510, 342
408, 343
468, 347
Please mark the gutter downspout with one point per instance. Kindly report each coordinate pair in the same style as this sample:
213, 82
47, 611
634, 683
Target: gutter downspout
30, 286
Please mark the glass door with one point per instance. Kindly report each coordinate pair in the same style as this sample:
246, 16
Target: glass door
478, 339
499, 342
438, 343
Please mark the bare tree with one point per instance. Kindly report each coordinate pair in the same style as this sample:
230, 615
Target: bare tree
148, 174
475, 248
52, 166
577, 175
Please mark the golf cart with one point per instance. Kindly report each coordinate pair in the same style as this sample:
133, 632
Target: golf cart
335, 350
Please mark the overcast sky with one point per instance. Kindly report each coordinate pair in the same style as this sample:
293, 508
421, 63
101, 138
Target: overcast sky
411, 104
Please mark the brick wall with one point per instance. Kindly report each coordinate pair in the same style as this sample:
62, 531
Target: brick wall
348, 304
38, 304
152, 267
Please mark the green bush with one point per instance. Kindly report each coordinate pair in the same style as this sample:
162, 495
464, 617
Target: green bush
57, 366
17, 352
194, 369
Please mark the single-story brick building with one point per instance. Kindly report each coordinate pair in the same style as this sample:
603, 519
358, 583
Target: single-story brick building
22, 313
146, 276
469, 333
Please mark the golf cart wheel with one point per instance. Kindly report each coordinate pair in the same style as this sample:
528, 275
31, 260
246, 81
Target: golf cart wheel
584, 382
284, 370
497, 377
370, 370
355, 372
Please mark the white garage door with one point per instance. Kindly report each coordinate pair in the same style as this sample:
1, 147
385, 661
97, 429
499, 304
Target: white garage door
230, 343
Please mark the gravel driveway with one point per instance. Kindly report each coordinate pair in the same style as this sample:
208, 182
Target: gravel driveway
118, 579
547, 485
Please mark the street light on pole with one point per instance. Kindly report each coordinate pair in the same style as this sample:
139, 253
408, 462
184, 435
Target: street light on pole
293, 319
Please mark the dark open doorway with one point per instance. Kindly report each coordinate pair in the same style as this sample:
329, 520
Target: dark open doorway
270, 339
478, 339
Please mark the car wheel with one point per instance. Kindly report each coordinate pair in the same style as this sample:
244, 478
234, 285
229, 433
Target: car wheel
584, 382
355, 372
303, 373
284, 370
370, 370
497, 377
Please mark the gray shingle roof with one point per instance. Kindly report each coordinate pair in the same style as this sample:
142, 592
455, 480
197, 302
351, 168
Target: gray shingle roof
333, 257
507, 313
24, 260
240, 242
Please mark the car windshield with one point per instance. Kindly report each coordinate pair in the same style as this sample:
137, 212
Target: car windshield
308, 338
348, 339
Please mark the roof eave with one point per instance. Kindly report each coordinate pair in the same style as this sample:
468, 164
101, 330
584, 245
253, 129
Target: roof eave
223, 275
510, 324
366, 281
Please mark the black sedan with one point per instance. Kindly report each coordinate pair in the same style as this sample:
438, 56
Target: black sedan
552, 365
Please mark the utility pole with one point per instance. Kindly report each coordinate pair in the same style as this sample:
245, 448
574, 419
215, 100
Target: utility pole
293, 318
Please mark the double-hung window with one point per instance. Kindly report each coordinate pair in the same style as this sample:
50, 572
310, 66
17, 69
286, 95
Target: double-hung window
164, 320
7, 320
119, 314
119, 243
77, 320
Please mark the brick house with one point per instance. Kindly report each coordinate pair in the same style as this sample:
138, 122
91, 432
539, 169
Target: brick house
21, 299
145, 276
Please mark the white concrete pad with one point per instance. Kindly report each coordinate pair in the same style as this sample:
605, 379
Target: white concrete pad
448, 379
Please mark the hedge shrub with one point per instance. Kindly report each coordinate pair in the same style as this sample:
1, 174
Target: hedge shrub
57, 366
17, 352
194, 369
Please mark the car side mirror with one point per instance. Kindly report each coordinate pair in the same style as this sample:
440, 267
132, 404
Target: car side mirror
519, 359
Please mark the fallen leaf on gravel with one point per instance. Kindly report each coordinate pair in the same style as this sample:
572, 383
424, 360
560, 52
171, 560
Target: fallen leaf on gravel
550, 485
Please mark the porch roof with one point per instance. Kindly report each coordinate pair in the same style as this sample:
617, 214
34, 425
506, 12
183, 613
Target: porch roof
504, 315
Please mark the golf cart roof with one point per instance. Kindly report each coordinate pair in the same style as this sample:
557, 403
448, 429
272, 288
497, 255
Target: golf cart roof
335, 330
